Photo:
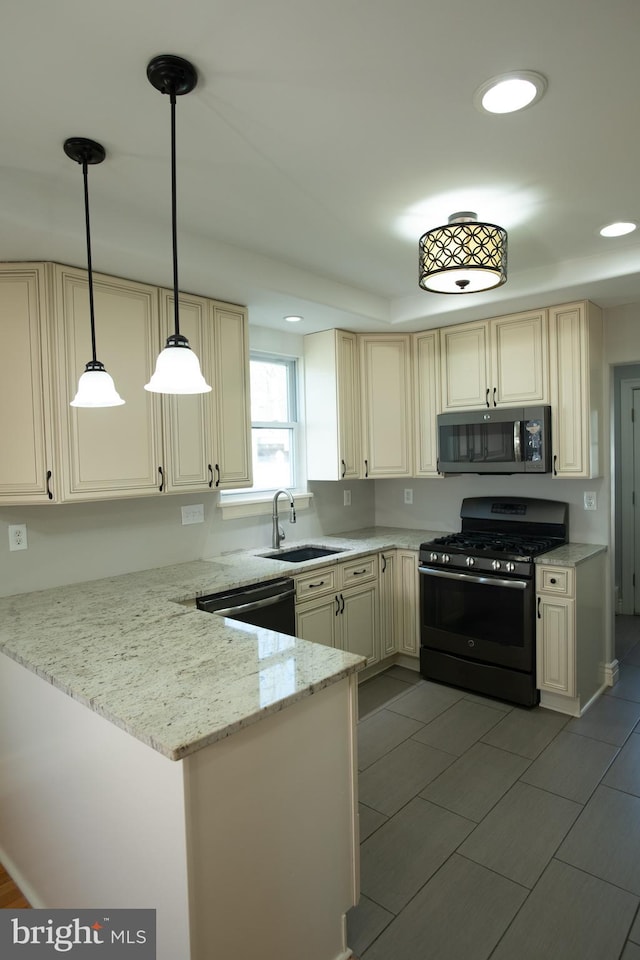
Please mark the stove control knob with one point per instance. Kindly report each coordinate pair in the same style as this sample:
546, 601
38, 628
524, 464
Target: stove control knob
433, 557
510, 567
470, 562
496, 565
446, 558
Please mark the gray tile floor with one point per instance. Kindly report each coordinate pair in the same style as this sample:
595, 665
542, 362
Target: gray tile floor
490, 831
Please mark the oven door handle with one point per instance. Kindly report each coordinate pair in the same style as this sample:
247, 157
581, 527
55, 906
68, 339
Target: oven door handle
470, 578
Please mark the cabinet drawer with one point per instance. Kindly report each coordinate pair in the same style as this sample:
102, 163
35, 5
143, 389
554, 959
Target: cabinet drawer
358, 571
323, 580
556, 580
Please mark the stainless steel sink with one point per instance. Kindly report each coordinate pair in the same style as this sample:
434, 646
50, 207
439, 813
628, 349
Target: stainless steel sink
299, 554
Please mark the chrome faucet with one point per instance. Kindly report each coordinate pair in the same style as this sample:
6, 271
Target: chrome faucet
278, 532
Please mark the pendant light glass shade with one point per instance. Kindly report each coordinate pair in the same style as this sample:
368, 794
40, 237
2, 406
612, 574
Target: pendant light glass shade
463, 256
177, 370
177, 367
95, 387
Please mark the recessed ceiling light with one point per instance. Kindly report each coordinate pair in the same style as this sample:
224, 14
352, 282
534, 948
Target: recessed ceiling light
293, 319
510, 92
618, 229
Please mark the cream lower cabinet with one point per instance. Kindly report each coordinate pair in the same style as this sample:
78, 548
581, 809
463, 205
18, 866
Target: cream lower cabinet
117, 451
387, 405
388, 583
338, 606
576, 335
498, 362
29, 466
408, 603
570, 634
332, 405
208, 436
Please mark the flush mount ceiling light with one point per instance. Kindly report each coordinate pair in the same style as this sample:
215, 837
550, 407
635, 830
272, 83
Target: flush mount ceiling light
618, 229
293, 319
177, 367
463, 256
95, 387
510, 92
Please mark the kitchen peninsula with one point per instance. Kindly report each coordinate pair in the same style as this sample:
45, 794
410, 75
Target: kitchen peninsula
212, 777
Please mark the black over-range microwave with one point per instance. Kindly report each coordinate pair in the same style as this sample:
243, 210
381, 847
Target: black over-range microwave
500, 440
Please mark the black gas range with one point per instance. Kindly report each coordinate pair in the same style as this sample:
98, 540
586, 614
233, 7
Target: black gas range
477, 595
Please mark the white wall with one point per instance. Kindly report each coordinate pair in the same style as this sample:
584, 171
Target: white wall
436, 503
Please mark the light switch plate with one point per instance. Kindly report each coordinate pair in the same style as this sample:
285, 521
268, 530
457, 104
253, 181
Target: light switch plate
408, 495
194, 513
347, 498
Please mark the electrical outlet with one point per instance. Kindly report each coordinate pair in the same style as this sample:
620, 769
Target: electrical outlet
194, 513
408, 495
590, 500
347, 498
18, 536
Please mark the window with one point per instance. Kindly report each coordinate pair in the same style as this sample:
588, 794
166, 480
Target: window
273, 421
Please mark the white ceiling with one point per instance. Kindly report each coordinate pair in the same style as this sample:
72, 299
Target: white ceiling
321, 141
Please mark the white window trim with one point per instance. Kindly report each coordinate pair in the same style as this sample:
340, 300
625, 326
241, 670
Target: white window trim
254, 505
236, 505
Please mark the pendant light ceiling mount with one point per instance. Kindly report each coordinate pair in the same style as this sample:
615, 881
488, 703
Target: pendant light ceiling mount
172, 75
463, 256
83, 150
177, 368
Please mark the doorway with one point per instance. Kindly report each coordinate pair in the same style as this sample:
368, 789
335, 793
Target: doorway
627, 488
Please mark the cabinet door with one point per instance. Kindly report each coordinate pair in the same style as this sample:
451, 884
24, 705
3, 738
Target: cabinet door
464, 366
555, 645
408, 601
116, 451
359, 622
386, 405
575, 337
348, 397
26, 463
233, 466
189, 421
519, 359
427, 402
388, 615
317, 620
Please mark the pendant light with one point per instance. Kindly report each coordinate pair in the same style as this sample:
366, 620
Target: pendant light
177, 367
463, 256
95, 387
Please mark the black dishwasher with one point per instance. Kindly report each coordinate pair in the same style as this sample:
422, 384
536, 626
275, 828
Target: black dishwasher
270, 605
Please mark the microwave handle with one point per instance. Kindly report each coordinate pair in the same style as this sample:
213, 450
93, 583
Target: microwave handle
517, 441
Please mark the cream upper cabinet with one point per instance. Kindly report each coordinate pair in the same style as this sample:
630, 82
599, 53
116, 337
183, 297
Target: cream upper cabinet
28, 467
189, 421
387, 442
493, 363
576, 389
233, 466
332, 405
116, 451
426, 378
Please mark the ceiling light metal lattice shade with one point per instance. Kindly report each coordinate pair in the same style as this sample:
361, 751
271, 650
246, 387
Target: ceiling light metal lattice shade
463, 256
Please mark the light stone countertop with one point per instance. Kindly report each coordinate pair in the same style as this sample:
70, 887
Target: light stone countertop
570, 554
176, 678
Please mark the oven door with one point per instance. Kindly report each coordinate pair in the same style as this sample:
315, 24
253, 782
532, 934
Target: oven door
481, 617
